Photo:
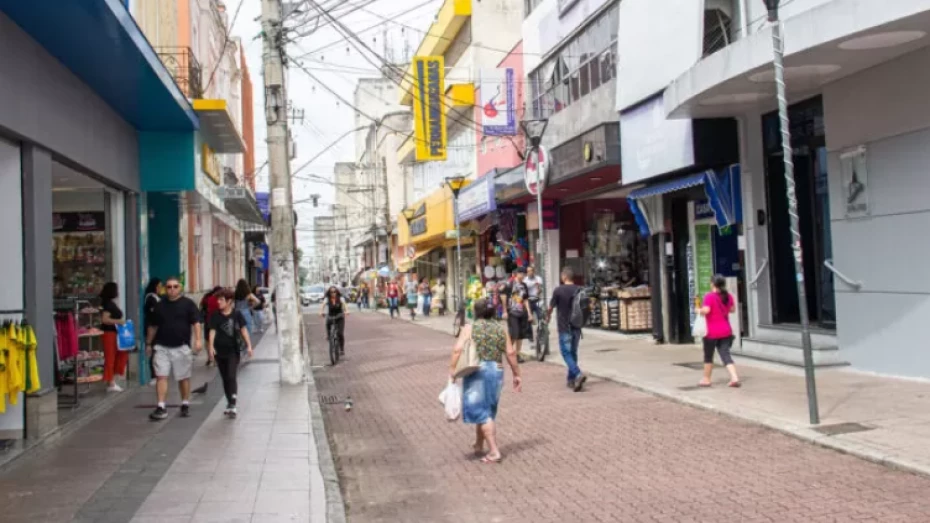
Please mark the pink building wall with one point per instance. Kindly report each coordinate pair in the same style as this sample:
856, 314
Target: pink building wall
500, 152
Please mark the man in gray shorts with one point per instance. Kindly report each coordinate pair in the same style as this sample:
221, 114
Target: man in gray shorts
168, 342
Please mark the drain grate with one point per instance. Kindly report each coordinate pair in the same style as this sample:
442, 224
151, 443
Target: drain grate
607, 350
329, 400
264, 361
842, 428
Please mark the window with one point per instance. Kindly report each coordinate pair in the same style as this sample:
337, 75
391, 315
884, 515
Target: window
717, 25
529, 6
580, 66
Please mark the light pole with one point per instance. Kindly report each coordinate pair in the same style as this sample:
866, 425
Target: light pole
534, 131
456, 183
778, 44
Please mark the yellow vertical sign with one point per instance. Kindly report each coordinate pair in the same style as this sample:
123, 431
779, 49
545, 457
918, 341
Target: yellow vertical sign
209, 164
429, 114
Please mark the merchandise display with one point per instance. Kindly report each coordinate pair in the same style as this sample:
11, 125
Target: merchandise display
19, 368
79, 249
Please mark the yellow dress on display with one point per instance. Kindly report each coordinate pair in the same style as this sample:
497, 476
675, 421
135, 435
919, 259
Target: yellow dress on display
15, 363
30, 344
4, 372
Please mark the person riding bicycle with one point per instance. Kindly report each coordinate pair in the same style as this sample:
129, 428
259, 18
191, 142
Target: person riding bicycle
335, 311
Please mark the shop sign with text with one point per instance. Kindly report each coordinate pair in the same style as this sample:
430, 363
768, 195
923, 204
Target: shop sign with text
79, 221
498, 103
477, 199
429, 115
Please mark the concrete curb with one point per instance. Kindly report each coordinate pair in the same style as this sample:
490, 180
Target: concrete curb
335, 506
802, 432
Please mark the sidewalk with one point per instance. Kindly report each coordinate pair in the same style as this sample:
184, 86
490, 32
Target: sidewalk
260, 467
120, 467
895, 413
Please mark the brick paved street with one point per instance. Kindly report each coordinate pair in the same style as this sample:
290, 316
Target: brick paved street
609, 454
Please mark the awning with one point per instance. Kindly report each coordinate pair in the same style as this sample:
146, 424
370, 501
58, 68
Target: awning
101, 44
722, 189
218, 128
240, 203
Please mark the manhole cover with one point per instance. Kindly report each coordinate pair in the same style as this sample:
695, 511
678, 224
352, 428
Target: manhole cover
842, 428
607, 350
329, 400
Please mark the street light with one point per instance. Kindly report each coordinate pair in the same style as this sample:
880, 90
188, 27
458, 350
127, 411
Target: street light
778, 44
534, 131
456, 183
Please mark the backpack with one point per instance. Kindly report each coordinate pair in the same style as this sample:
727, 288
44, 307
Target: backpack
580, 309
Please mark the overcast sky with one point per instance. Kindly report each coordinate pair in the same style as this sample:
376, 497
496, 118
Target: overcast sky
325, 118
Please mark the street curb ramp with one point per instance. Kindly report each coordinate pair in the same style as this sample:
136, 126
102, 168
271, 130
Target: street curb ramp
335, 507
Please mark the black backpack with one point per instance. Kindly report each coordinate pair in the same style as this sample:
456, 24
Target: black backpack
581, 309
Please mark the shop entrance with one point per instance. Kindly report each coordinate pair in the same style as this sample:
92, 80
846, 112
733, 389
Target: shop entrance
88, 250
812, 186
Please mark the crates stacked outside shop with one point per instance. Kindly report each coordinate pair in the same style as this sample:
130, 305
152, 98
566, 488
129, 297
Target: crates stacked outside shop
635, 309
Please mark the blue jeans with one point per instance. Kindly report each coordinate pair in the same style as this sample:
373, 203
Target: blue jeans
568, 345
392, 306
427, 304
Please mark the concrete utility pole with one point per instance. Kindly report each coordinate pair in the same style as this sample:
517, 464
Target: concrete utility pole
282, 211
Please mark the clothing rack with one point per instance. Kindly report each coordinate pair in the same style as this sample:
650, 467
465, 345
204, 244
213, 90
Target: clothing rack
70, 306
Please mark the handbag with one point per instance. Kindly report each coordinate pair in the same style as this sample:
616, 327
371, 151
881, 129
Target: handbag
468, 362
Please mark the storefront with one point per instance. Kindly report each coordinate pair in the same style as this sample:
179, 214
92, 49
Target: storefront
71, 174
689, 211
429, 242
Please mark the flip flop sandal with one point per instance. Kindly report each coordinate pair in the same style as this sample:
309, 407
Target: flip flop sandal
735, 384
488, 460
704, 385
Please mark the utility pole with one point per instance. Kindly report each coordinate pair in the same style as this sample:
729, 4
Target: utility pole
282, 211
778, 47
387, 214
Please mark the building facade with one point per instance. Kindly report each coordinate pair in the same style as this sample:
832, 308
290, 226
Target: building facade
75, 140
213, 209
855, 75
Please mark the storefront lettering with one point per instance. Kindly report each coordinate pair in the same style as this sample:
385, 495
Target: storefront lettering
436, 143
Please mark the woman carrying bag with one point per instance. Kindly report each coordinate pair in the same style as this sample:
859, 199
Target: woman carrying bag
716, 309
481, 388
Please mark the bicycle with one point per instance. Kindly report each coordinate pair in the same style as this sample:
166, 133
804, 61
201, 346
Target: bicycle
333, 335
458, 322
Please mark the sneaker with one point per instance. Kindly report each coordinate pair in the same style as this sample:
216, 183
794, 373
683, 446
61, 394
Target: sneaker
229, 408
233, 412
185, 411
579, 382
158, 414
114, 388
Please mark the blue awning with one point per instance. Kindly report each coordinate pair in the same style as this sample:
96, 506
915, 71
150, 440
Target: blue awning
722, 189
100, 43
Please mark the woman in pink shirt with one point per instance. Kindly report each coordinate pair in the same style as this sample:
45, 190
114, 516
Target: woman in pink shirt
716, 310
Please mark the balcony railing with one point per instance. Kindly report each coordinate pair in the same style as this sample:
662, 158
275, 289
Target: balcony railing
184, 68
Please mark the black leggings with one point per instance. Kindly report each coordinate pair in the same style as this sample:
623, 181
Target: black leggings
340, 331
228, 364
723, 348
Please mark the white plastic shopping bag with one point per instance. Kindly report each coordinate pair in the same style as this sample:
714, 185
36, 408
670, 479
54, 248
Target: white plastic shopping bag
699, 329
451, 399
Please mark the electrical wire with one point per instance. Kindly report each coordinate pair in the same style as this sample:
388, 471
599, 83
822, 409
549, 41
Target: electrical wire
226, 40
375, 26
384, 63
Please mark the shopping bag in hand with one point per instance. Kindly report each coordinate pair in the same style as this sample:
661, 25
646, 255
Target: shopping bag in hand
126, 336
451, 399
699, 329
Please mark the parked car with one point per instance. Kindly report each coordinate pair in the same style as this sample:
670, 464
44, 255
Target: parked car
312, 294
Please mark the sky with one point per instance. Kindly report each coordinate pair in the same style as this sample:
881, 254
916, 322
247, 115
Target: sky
325, 118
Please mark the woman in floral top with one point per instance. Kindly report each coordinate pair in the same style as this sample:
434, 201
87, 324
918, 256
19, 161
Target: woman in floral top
481, 391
